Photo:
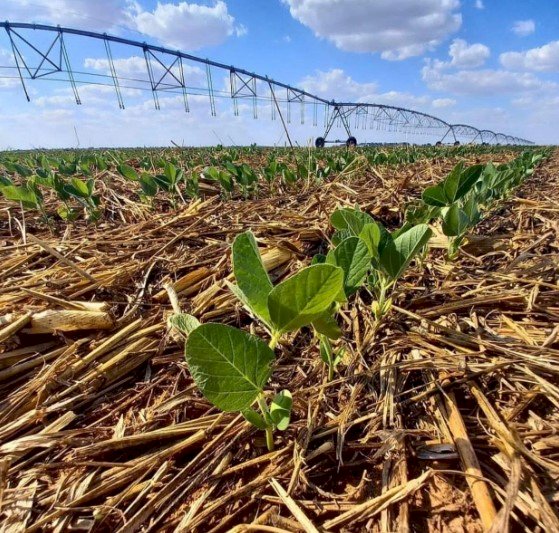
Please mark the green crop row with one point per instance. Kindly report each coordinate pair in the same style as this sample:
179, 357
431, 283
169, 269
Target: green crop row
232, 367
177, 175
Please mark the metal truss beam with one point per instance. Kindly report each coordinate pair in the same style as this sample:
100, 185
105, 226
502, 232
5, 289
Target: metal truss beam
166, 73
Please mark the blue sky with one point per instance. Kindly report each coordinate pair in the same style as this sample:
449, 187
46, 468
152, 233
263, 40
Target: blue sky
491, 64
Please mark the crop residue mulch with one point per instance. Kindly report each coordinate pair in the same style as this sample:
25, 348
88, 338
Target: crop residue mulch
104, 430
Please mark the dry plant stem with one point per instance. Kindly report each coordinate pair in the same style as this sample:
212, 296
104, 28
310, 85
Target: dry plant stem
480, 490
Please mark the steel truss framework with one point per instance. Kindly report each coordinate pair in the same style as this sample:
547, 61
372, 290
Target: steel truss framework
166, 73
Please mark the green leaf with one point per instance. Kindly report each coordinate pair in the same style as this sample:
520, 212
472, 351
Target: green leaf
353, 257
78, 188
66, 213
148, 184
455, 221
128, 172
21, 194
340, 235
371, 236
280, 409
252, 278
326, 325
459, 182
184, 323
302, 298
326, 353
318, 259
229, 366
350, 219
472, 210
434, 196
256, 419
398, 253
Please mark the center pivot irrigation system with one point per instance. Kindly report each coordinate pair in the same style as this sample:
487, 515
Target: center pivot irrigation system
38, 55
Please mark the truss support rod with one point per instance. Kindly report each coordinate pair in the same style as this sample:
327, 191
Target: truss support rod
64, 55
280, 114
113, 74
15, 51
152, 80
210, 89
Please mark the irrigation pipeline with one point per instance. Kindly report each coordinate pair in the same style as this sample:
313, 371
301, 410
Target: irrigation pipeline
165, 70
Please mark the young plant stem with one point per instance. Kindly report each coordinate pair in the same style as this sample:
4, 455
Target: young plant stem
269, 430
274, 340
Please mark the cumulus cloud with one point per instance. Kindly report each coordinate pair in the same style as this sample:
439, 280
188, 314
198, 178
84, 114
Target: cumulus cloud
398, 29
484, 82
440, 103
187, 26
101, 15
338, 85
542, 59
465, 55
184, 25
522, 28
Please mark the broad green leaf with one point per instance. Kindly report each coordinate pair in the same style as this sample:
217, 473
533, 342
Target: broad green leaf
455, 221
280, 409
148, 184
184, 323
256, 419
434, 196
459, 182
302, 298
21, 194
371, 235
398, 253
340, 235
326, 325
318, 259
353, 257
350, 219
472, 210
252, 278
229, 366
78, 188
66, 213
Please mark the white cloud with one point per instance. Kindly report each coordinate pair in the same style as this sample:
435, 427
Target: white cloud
184, 25
101, 15
479, 4
187, 26
466, 55
338, 85
440, 103
522, 28
542, 59
485, 82
398, 29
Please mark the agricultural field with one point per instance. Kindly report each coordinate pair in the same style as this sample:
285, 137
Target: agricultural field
264, 339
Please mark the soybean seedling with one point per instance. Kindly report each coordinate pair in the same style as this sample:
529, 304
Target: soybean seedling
231, 367
390, 253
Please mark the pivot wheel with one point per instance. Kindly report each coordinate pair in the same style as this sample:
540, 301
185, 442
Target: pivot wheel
456, 143
320, 142
352, 141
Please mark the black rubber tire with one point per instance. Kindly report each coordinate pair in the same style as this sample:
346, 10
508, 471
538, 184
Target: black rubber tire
456, 143
320, 142
438, 143
352, 141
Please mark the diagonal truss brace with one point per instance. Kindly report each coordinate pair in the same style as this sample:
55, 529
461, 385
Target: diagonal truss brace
47, 66
172, 77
